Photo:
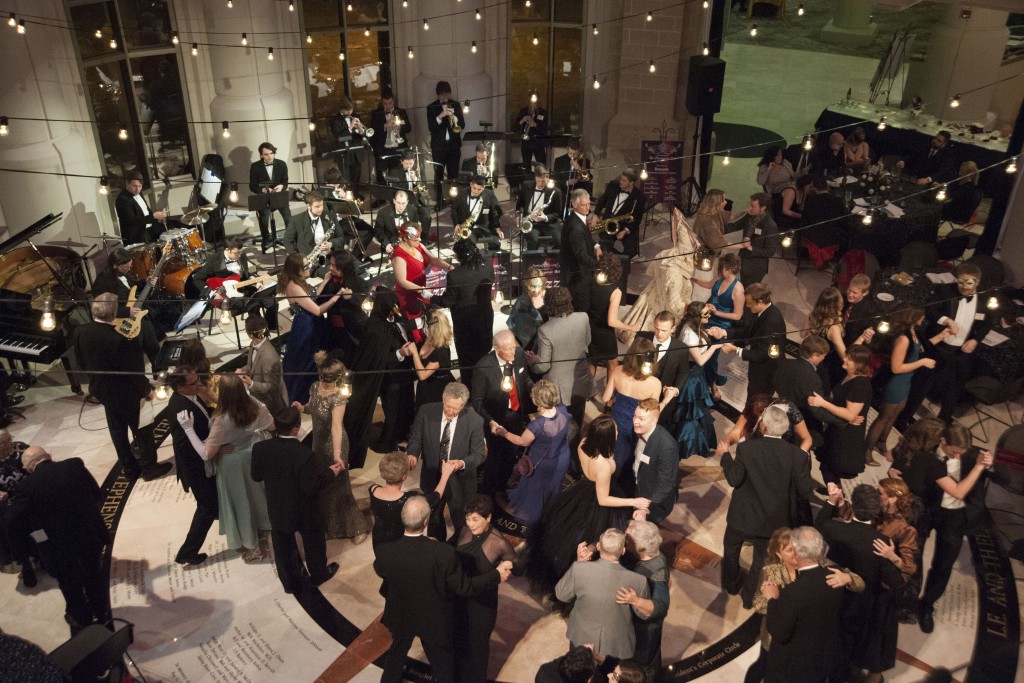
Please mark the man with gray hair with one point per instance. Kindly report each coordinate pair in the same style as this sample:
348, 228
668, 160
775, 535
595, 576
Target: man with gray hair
420, 578
579, 253
117, 379
803, 618
763, 474
442, 432
501, 395
597, 618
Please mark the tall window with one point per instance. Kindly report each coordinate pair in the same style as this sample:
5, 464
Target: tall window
130, 70
553, 66
361, 35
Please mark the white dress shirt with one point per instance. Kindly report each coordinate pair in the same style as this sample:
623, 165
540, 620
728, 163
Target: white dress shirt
965, 312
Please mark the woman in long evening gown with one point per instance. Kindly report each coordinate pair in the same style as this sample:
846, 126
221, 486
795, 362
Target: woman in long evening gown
479, 548
580, 513
433, 360
547, 437
605, 297
304, 338
695, 427
628, 385
726, 303
410, 261
339, 514
242, 502
842, 454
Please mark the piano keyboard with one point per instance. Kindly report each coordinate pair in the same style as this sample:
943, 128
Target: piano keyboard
24, 345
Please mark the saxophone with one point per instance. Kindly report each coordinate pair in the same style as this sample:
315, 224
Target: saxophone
316, 256
610, 226
464, 230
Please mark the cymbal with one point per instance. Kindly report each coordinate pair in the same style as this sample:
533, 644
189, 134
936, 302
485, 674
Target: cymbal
195, 217
208, 208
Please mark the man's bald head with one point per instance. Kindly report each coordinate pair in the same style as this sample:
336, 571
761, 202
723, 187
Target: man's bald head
32, 456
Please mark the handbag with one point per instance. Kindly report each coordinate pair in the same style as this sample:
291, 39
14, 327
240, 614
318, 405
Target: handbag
525, 465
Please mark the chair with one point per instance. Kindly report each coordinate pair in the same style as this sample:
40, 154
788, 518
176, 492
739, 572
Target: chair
94, 651
1008, 469
990, 391
855, 262
993, 274
215, 312
953, 246
918, 256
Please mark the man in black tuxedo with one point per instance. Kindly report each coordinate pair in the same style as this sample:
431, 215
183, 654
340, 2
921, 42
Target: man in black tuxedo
479, 208
622, 197
542, 206
58, 504
501, 408
824, 215
407, 177
762, 339
759, 238
655, 462
445, 431
313, 227
858, 311
763, 475
191, 396
445, 143
936, 165
103, 354
673, 364
479, 165
118, 278
231, 261
567, 168
532, 124
391, 129
797, 379
348, 132
292, 479
421, 576
828, 158
579, 254
138, 223
390, 220
269, 175
803, 618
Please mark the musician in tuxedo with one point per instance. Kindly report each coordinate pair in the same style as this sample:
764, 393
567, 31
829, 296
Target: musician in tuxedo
622, 197
231, 263
935, 165
292, 479
391, 124
313, 229
262, 373
117, 277
500, 408
421, 578
390, 220
542, 206
334, 188
479, 165
763, 475
532, 123
759, 238
479, 209
191, 396
655, 462
104, 355
265, 176
139, 224
804, 618
673, 362
407, 177
445, 431
579, 254
445, 144
59, 504
349, 136
762, 339
567, 168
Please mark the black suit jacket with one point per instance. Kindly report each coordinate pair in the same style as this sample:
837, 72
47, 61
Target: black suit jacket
106, 281
860, 319
467, 445
764, 330
397, 180
941, 167
292, 479
561, 170
486, 394
948, 300
851, 545
490, 212
795, 380
385, 230
658, 478
438, 130
763, 238
258, 178
421, 576
674, 367
101, 350
634, 204
540, 117
217, 266
763, 473
466, 287
577, 253
299, 237
468, 169
377, 120
188, 464
136, 225
804, 625
552, 202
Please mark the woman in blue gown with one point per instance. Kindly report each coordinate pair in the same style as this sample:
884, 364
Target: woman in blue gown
695, 428
726, 302
628, 384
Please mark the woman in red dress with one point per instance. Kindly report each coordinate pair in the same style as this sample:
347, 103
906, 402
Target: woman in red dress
410, 261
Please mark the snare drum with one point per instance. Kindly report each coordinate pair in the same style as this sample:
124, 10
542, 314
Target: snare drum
144, 259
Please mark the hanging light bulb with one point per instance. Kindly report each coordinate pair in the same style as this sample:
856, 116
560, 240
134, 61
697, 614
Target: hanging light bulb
550, 184
883, 326
426, 26
992, 303
753, 30
312, 125
597, 83
104, 185
291, 6
800, 10
706, 50
704, 5
465, 107
725, 159
195, 49
527, 3
21, 26
773, 351
499, 297
601, 277
647, 367
341, 55
348, 7
650, 16
98, 34
506, 379
225, 129
174, 38
161, 392
405, 3
472, 48
707, 259
882, 124
787, 240
536, 40
867, 219
122, 134
533, 97
940, 196
478, 16
270, 54
955, 102
410, 55
47, 322
651, 67
366, 32
13, 21
643, 172
453, 191
345, 386
225, 316
231, 5
233, 194
808, 143
309, 39
367, 305
595, 30
1011, 167
245, 40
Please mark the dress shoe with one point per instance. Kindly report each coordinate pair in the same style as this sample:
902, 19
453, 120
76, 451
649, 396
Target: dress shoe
92, 400
155, 471
332, 569
264, 246
131, 472
926, 620
28, 575
13, 400
188, 560
384, 448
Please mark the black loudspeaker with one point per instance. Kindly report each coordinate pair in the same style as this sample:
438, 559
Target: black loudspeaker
704, 86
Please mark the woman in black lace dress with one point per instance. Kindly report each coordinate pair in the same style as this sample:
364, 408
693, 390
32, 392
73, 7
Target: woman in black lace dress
433, 360
386, 501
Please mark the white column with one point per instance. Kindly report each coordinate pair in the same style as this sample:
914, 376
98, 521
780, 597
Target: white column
850, 24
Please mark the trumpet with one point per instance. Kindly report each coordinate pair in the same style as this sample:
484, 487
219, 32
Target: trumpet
358, 127
526, 131
450, 113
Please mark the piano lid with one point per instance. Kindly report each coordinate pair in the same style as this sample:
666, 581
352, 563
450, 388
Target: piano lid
36, 227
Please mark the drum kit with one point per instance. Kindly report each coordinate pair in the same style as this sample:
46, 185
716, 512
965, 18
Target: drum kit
186, 246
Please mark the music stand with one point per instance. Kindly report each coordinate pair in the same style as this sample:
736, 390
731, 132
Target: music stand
271, 202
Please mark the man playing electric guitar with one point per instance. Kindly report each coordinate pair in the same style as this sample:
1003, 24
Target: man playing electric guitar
230, 264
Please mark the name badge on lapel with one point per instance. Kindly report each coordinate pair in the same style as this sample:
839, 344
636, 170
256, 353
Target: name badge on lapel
645, 459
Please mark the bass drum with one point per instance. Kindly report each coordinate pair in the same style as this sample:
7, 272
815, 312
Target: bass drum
180, 284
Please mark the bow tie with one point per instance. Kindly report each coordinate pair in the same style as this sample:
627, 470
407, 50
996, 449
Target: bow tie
539, 190
269, 165
969, 298
404, 216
